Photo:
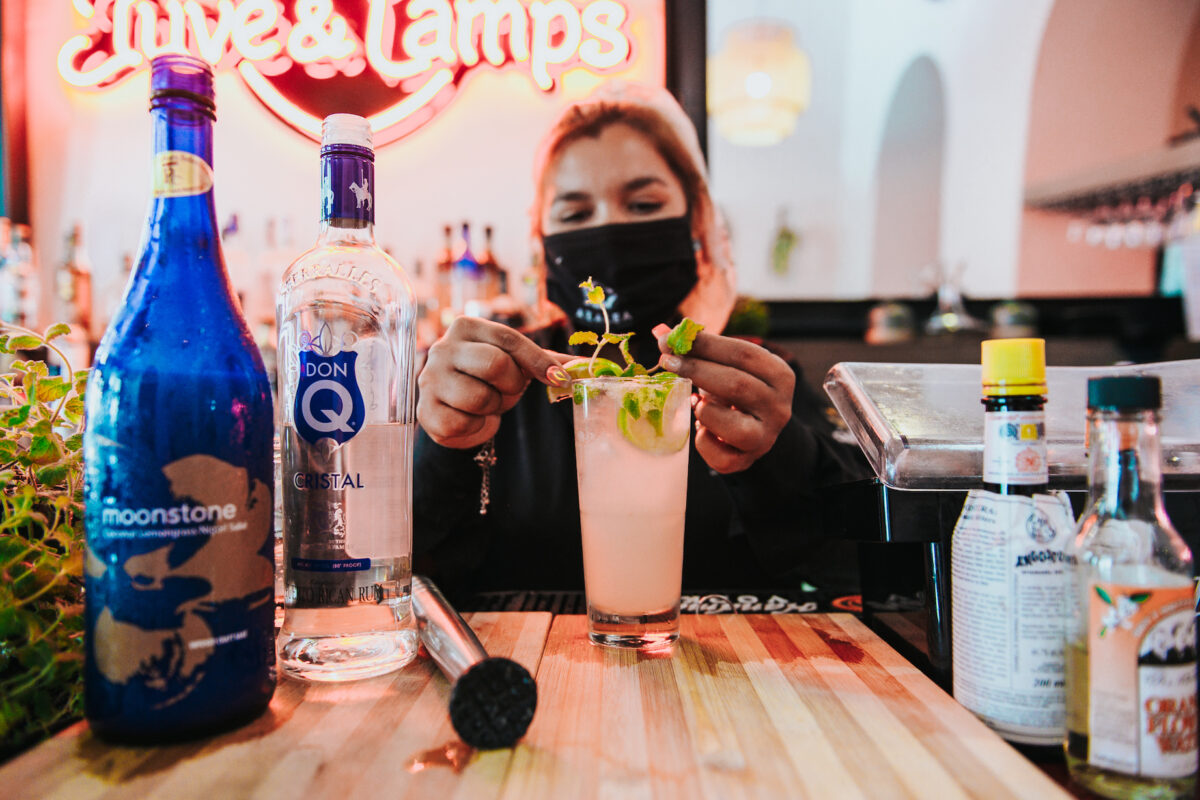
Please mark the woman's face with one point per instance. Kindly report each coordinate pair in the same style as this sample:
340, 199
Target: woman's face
617, 176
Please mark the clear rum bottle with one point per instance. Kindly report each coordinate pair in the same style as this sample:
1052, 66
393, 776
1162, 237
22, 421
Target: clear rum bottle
1131, 627
346, 317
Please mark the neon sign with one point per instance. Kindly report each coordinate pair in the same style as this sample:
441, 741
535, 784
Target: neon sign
396, 62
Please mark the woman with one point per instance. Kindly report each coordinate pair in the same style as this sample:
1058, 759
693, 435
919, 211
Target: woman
622, 198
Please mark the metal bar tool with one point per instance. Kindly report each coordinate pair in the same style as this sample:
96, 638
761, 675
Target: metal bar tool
492, 700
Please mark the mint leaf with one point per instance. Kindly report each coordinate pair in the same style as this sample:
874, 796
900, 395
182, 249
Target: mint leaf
682, 336
595, 294
631, 406
583, 337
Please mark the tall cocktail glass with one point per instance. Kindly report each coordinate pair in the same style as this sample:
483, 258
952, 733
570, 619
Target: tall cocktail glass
631, 453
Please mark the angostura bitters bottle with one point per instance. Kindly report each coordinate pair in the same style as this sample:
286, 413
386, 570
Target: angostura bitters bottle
347, 325
180, 611
1008, 559
1131, 630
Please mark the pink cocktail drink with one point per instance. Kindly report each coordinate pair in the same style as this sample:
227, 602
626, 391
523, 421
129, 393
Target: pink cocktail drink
631, 453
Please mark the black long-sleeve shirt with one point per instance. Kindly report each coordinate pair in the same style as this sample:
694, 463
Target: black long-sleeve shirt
746, 529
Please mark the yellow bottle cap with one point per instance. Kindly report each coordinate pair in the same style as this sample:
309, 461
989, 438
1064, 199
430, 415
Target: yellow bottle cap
1014, 367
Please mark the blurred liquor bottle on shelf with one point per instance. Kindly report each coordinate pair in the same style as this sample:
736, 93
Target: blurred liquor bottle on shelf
467, 287
278, 251
22, 261
10, 278
501, 305
427, 332
30, 287
439, 305
112, 295
495, 279
238, 263
347, 323
1131, 626
73, 285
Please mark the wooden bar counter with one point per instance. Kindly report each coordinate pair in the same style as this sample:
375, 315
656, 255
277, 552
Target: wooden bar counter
754, 706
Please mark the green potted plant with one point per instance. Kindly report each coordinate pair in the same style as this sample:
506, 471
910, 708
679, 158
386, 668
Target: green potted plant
41, 541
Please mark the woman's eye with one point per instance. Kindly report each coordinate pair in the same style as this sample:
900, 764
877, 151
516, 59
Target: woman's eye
574, 215
645, 206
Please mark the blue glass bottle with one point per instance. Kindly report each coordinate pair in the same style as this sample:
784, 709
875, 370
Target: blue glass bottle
180, 611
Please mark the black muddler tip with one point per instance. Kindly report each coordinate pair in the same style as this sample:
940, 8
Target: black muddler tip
492, 704
492, 700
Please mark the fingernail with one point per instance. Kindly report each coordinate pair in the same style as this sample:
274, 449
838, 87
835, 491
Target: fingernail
671, 363
661, 330
557, 376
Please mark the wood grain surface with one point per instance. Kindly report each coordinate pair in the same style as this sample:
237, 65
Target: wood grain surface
806, 705
390, 733
750, 706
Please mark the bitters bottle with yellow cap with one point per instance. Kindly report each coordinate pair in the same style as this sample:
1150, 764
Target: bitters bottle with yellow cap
1008, 561
1014, 402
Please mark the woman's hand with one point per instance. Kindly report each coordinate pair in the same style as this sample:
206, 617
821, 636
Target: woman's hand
745, 397
473, 374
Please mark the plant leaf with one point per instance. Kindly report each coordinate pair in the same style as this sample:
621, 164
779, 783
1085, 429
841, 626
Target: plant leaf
54, 475
53, 389
630, 404
16, 416
1140, 597
682, 336
583, 337
56, 330
24, 342
74, 409
1104, 595
43, 450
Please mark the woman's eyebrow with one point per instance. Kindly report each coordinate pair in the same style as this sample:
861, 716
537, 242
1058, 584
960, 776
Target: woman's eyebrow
572, 197
643, 182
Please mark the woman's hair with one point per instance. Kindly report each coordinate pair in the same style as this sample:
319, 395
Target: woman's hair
654, 114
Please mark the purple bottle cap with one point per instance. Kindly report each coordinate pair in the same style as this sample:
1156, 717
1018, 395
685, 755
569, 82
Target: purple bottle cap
183, 76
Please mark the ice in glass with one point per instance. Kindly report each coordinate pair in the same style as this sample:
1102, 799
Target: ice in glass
631, 453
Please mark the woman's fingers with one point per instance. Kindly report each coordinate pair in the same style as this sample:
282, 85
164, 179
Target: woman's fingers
745, 397
538, 364
737, 430
473, 374
450, 427
719, 455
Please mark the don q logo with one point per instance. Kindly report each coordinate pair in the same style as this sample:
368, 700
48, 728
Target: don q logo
328, 402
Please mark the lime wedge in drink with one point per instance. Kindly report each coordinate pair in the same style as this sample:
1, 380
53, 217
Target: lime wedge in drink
581, 368
644, 411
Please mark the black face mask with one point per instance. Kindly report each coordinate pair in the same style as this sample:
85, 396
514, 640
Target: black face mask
645, 269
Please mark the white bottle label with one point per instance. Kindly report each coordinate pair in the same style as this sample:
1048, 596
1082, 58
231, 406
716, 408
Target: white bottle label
1008, 602
1142, 680
1014, 448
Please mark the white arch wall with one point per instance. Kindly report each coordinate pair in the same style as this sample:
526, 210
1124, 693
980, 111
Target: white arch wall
908, 210
986, 52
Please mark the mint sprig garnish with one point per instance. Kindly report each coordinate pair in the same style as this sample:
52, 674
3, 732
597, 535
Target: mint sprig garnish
680, 338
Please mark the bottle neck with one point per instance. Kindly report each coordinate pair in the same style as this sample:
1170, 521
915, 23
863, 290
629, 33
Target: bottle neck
1014, 448
182, 214
1124, 463
347, 194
